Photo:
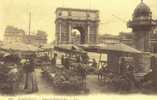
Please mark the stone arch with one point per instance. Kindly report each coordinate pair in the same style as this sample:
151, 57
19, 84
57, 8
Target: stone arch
82, 39
85, 21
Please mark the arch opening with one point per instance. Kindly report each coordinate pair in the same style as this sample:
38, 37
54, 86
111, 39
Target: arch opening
78, 35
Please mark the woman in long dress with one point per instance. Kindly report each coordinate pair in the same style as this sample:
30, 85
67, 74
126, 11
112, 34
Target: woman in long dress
30, 77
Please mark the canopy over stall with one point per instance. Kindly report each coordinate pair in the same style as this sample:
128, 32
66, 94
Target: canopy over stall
113, 50
19, 47
70, 49
46, 47
111, 47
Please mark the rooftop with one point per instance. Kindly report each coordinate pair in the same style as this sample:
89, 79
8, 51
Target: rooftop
77, 9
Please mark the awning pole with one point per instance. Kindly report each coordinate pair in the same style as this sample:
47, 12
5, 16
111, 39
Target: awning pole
99, 60
51, 54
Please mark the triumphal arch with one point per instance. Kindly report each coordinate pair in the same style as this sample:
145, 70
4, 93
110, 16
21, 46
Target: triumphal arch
84, 20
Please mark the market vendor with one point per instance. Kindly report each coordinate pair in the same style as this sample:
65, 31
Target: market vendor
122, 66
46, 57
81, 71
153, 63
67, 63
85, 58
154, 71
62, 60
94, 63
78, 59
130, 74
54, 60
30, 78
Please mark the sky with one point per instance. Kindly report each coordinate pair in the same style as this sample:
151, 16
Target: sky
114, 14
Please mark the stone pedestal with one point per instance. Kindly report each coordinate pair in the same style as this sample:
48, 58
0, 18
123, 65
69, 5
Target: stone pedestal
143, 63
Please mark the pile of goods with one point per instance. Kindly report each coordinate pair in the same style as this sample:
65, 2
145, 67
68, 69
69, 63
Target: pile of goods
8, 78
42, 60
66, 79
91, 70
9, 75
118, 83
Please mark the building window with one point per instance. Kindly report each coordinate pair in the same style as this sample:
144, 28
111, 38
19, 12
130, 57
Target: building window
69, 13
60, 13
88, 15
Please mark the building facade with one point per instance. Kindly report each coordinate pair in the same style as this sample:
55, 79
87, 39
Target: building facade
38, 39
15, 35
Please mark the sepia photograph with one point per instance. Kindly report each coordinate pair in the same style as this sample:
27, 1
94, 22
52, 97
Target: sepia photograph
78, 49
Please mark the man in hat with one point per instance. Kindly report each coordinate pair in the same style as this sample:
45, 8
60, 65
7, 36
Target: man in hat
54, 60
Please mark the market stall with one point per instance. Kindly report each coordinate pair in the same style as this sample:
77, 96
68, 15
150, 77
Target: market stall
114, 52
70, 74
44, 55
112, 74
10, 65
